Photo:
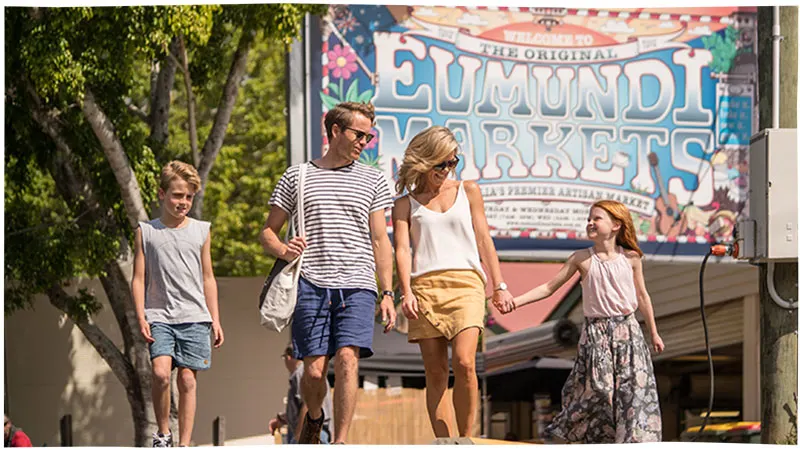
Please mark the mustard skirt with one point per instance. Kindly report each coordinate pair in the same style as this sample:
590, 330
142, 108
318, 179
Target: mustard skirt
450, 301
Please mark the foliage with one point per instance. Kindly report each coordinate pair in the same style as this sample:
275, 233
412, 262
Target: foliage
723, 49
249, 165
64, 213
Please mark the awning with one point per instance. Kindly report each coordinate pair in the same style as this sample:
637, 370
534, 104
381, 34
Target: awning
511, 349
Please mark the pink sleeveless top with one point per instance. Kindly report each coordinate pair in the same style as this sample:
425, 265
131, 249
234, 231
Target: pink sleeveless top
608, 288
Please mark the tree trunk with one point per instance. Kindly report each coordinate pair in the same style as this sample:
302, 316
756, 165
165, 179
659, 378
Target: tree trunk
187, 82
118, 291
136, 387
224, 110
117, 159
161, 99
778, 325
131, 366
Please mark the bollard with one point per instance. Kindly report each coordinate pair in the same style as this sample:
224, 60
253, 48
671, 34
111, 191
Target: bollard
218, 432
66, 430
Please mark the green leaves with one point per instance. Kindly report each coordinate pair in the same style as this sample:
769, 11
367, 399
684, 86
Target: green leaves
328, 101
352, 95
723, 49
61, 52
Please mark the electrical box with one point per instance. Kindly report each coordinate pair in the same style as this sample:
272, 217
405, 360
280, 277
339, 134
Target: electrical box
773, 196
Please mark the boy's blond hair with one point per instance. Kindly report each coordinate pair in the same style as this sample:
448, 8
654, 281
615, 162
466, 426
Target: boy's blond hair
180, 169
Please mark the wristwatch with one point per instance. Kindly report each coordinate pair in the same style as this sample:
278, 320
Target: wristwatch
389, 293
501, 287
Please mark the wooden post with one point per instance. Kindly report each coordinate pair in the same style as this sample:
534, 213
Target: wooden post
66, 430
218, 432
778, 325
751, 371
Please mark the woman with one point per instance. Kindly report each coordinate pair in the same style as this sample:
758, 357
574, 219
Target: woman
442, 281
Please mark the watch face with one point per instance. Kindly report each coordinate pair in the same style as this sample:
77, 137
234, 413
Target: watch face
502, 287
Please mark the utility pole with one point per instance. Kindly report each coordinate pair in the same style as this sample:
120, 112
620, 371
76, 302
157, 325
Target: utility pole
778, 324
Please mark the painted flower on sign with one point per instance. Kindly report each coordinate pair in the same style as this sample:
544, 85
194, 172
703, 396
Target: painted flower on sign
342, 62
347, 23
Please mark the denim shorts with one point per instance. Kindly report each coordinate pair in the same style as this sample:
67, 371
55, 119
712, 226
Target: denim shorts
326, 320
189, 344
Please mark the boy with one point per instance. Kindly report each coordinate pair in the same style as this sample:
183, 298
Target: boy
175, 294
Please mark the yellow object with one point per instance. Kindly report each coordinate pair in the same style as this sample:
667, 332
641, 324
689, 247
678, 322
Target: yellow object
449, 302
724, 427
481, 441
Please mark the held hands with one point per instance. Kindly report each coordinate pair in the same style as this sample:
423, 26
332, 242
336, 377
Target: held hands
388, 313
410, 306
294, 248
144, 328
219, 337
503, 301
658, 344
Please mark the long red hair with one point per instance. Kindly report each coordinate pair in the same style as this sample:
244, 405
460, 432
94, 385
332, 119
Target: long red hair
626, 237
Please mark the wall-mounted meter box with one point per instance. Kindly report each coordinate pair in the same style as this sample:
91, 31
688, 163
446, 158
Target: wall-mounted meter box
773, 194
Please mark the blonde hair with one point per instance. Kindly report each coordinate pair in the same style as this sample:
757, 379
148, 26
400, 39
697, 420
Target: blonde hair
430, 147
626, 237
180, 169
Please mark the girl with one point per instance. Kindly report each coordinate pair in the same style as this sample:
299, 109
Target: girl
442, 220
611, 395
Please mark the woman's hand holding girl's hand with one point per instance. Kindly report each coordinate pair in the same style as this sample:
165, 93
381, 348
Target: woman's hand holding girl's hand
503, 301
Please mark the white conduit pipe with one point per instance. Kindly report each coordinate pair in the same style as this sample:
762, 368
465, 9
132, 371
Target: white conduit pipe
776, 98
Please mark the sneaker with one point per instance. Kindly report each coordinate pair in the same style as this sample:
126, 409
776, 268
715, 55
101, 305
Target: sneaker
311, 430
162, 440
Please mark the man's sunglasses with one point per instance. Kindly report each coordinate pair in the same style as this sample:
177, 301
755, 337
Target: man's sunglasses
447, 164
360, 134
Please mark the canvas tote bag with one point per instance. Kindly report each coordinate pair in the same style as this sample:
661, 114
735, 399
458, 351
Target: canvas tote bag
279, 293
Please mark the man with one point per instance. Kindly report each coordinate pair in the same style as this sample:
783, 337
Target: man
344, 211
14, 437
295, 408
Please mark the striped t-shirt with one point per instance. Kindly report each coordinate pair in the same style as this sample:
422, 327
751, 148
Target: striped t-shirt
337, 205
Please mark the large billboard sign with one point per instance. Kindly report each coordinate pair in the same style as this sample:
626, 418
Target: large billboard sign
555, 108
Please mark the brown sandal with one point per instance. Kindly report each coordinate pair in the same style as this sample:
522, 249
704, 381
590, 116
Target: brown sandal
311, 430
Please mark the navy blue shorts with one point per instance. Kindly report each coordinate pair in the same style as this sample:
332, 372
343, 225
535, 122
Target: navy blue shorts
326, 320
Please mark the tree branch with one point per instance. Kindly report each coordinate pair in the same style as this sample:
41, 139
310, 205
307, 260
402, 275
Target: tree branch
138, 113
117, 159
187, 81
121, 367
76, 188
161, 99
213, 143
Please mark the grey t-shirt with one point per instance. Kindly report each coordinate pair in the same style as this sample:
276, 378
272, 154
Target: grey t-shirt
173, 281
294, 402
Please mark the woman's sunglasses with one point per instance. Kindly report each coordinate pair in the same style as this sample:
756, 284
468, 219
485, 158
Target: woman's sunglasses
447, 164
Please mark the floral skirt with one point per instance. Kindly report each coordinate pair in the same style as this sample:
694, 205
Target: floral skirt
611, 394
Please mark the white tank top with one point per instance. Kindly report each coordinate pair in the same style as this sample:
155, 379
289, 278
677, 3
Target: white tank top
444, 241
608, 288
